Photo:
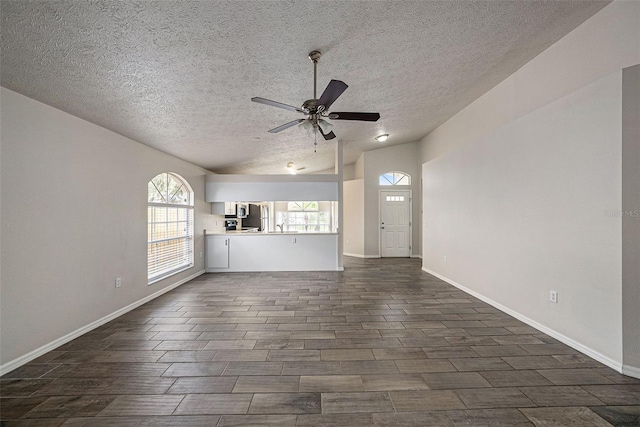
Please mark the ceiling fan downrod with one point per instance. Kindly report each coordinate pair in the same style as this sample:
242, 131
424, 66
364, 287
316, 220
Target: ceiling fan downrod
314, 56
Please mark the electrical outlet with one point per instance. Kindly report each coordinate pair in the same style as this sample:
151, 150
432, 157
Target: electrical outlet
200, 254
553, 296
118, 282
445, 259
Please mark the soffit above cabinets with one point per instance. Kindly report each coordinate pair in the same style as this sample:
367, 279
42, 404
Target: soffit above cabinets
223, 188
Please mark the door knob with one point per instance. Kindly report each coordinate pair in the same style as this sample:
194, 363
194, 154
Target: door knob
382, 228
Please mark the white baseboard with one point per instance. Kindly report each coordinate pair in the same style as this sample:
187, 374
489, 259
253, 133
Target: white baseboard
374, 256
353, 255
19, 361
552, 333
360, 255
631, 371
231, 270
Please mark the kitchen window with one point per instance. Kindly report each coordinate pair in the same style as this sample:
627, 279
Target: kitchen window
306, 217
170, 226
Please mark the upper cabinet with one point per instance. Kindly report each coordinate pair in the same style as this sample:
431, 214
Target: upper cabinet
229, 208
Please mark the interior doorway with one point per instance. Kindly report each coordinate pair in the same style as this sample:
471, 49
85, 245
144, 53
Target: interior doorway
395, 223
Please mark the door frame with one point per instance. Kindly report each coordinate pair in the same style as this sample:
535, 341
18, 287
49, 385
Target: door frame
410, 192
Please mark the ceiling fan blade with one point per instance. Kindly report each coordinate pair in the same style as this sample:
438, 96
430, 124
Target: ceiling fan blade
276, 104
367, 117
286, 126
334, 89
327, 136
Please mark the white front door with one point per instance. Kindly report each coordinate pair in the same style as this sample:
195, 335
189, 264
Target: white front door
395, 223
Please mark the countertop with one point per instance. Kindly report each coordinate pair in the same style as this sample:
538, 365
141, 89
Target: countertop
260, 233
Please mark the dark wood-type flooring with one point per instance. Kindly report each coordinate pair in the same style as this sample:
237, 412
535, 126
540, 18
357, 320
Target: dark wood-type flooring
380, 344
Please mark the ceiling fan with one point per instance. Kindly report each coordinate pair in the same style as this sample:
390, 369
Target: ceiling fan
316, 110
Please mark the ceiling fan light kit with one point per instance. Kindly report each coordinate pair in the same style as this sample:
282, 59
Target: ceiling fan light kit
382, 138
316, 109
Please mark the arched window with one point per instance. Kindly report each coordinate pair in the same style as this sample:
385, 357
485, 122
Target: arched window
170, 226
395, 178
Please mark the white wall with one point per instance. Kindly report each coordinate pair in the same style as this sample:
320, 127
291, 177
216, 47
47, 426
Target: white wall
354, 217
605, 43
631, 220
348, 172
403, 158
522, 211
358, 168
74, 217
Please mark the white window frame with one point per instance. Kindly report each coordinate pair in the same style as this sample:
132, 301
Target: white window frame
177, 231
394, 178
293, 215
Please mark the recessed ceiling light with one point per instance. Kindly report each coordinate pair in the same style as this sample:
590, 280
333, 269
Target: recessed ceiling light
382, 138
292, 169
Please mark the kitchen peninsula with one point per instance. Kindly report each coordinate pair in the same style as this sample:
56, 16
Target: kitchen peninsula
254, 251
302, 232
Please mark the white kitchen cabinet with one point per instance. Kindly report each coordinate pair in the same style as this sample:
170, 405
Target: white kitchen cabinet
229, 208
238, 251
217, 252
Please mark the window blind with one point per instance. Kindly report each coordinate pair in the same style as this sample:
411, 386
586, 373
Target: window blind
170, 226
170, 243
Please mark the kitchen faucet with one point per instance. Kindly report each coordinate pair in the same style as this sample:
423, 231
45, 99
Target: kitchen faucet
281, 226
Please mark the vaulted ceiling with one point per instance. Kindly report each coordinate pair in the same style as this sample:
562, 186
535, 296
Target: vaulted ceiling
179, 75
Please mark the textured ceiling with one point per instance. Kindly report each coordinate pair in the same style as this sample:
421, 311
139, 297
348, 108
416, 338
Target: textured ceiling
178, 75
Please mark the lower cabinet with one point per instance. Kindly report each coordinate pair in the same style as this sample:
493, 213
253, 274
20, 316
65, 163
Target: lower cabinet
217, 252
234, 252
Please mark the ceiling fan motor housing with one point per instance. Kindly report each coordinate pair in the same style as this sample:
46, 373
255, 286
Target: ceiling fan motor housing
313, 110
311, 106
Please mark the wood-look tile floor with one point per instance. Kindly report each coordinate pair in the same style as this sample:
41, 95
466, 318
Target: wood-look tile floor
380, 344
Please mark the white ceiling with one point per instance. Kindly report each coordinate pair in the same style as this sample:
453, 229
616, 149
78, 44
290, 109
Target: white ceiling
178, 75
